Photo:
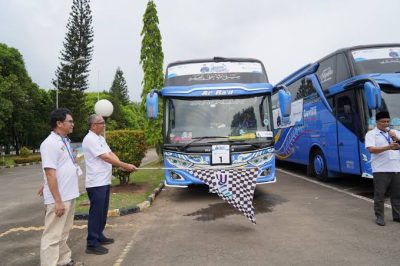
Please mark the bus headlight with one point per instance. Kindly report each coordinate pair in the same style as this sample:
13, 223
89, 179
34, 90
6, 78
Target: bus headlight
261, 160
179, 163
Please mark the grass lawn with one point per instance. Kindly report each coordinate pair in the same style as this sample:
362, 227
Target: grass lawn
7, 160
142, 184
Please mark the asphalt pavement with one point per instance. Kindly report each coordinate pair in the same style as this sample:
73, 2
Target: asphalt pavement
299, 222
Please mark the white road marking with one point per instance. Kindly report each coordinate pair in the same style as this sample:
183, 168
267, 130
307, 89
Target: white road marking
127, 248
331, 187
39, 228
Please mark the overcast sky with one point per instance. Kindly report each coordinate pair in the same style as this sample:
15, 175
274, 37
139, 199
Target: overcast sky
284, 35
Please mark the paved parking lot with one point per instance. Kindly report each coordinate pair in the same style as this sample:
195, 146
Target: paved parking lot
300, 221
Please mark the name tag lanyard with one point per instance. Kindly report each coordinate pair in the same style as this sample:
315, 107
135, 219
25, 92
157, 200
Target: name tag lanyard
71, 155
387, 138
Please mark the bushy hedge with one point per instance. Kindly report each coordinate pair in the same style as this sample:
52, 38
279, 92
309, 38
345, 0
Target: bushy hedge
24, 152
29, 159
129, 146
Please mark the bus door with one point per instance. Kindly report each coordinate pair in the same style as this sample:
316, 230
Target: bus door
348, 128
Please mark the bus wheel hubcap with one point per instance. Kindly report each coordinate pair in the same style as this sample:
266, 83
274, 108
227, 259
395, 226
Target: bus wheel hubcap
318, 165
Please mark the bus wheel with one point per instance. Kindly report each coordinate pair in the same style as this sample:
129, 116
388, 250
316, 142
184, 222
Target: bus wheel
319, 168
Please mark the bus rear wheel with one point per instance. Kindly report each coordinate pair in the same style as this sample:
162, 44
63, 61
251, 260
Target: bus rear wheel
318, 164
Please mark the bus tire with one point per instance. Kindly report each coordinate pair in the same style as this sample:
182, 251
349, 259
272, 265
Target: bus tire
318, 165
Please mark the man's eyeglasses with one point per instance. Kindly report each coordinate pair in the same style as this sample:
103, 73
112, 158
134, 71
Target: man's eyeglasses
100, 123
69, 121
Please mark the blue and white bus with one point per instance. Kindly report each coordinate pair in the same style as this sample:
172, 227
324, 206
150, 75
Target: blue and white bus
334, 104
217, 114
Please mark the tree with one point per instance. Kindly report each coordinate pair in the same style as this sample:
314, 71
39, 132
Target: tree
113, 122
152, 60
133, 116
91, 99
119, 98
119, 89
72, 74
24, 115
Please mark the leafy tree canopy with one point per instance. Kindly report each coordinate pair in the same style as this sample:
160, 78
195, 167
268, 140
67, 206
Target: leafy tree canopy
152, 60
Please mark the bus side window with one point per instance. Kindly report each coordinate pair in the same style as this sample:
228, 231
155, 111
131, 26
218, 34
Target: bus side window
342, 69
346, 112
326, 73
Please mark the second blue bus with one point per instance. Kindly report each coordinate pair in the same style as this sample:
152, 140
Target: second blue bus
334, 104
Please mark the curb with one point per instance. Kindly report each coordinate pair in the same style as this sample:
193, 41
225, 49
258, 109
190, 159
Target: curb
19, 165
124, 211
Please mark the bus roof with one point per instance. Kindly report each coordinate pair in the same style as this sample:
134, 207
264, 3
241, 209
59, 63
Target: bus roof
215, 59
312, 67
358, 47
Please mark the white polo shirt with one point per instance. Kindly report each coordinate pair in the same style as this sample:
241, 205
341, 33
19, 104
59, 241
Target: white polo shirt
55, 155
98, 172
387, 161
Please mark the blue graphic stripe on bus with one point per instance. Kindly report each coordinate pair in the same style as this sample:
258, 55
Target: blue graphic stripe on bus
217, 89
263, 160
257, 159
287, 144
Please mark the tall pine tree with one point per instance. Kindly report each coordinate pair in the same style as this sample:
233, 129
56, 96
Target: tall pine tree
72, 74
119, 98
119, 89
152, 60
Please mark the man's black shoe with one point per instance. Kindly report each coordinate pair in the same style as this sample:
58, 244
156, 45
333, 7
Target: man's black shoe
98, 250
106, 241
397, 220
380, 221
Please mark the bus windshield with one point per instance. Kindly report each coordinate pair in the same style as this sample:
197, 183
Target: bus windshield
246, 118
188, 74
390, 100
376, 60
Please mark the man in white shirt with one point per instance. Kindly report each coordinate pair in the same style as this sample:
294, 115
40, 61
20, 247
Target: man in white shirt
60, 190
383, 143
99, 160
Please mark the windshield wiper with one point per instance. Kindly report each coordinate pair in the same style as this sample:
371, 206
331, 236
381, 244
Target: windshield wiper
197, 139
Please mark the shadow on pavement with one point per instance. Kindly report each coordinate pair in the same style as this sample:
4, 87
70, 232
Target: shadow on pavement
262, 202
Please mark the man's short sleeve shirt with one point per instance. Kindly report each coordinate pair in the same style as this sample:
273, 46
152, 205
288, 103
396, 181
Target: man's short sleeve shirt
55, 155
98, 172
387, 161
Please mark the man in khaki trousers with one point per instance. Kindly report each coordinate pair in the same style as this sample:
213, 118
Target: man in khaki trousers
60, 190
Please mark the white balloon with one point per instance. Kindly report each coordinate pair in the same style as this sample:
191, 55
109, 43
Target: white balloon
104, 108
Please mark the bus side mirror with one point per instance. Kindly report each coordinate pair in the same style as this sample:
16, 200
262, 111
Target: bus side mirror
152, 104
285, 102
373, 95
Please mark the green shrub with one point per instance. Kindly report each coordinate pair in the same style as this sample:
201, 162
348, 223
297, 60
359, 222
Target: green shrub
29, 159
129, 146
24, 152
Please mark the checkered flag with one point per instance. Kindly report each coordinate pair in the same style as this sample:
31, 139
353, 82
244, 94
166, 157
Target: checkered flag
236, 186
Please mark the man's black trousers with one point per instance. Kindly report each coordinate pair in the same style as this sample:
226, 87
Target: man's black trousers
387, 182
99, 198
